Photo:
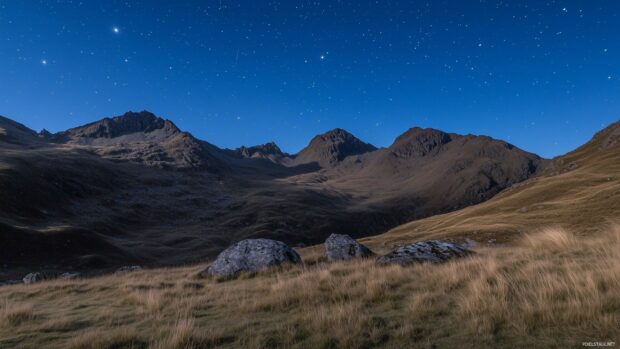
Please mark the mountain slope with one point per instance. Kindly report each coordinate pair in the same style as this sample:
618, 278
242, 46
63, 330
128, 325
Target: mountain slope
579, 191
14, 133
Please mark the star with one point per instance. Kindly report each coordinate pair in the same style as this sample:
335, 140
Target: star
322, 57
116, 30
564, 9
44, 61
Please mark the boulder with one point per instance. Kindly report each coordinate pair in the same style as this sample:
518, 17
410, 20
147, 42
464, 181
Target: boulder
39, 276
340, 247
128, 269
251, 255
69, 276
433, 251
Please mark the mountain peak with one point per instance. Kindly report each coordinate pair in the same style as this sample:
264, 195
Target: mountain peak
140, 137
336, 135
130, 122
331, 147
419, 142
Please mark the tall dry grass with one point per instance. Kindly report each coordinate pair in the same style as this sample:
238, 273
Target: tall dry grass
552, 289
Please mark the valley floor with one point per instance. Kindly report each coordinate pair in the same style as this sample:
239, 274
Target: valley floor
549, 290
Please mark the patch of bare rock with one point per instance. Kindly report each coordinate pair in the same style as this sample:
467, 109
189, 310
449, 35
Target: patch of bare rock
128, 269
39, 276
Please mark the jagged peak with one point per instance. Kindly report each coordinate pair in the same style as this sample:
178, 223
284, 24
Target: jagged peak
129, 122
270, 148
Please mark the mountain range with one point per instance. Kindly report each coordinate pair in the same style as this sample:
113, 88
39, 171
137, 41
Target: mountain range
136, 189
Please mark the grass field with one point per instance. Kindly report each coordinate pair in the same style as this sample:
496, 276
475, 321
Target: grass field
550, 289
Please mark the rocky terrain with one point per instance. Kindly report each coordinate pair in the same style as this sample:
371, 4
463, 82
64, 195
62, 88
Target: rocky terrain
135, 189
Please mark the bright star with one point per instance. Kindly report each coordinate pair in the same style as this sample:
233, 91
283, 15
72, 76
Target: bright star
322, 57
44, 61
116, 30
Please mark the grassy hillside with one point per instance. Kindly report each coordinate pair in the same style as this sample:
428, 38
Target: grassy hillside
549, 290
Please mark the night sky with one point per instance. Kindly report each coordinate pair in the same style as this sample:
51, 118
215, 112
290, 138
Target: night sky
543, 75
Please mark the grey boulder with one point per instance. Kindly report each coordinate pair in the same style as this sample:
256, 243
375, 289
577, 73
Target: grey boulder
251, 255
340, 247
39, 276
69, 276
433, 251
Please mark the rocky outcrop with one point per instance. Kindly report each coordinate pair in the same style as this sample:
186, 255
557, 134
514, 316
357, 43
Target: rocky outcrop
269, 151
69, 276
433, 251
39, 276
340, 247
251, 255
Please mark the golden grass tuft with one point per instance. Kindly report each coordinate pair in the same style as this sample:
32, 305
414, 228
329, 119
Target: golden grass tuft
15, 313
551, 239
550, 289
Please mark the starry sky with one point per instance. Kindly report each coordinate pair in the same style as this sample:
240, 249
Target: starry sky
543, 75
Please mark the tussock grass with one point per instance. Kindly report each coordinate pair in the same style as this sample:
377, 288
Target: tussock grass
14, 314
550, 289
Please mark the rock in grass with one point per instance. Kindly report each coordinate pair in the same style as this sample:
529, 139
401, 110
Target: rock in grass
433, 251
251, 255
69, 276
340, 247
39, 276
128, 269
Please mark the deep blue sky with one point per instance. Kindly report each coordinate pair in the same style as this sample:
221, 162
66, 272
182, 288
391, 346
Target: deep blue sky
543, 75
